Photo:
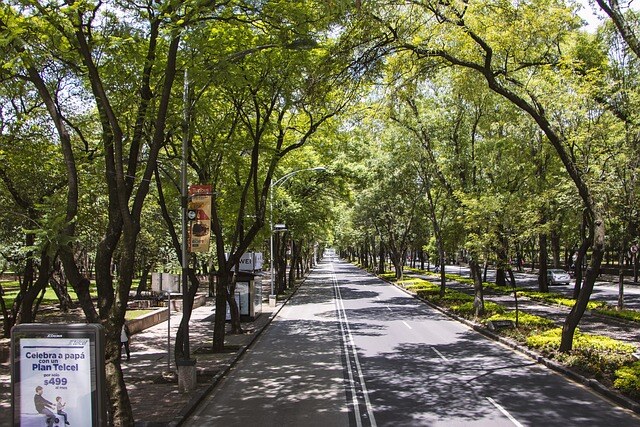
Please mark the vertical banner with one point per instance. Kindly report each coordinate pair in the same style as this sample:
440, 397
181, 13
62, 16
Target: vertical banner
199, 218
58, 375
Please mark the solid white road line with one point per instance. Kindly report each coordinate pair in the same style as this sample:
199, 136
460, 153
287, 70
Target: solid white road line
504, 411
349, 336
354, 396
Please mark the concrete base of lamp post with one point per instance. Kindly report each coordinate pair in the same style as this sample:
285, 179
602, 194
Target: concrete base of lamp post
186, 375
272, 300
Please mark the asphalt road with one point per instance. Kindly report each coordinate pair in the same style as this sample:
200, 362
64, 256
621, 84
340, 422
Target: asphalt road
349, 349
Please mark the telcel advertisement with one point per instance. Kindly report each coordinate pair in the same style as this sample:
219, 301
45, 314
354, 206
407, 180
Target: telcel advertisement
58, 375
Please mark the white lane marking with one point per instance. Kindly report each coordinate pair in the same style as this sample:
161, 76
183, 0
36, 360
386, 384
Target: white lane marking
440, 354
344, 324
356, 406
407, 325
389, 308
504, 411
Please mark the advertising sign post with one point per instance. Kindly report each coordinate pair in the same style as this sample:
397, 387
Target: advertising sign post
199, 215
58, 375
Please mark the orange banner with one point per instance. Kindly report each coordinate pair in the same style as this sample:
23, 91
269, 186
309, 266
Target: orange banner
200, 225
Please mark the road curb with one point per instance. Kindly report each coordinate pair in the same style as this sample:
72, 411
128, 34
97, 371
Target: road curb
190, 406
593, 384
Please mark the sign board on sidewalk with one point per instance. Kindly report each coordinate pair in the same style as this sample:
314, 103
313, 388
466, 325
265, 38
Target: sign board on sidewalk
58, 373
165, 282
251, 261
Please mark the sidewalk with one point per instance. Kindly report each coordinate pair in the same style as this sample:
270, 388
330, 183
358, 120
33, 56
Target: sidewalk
153, 391
152, 383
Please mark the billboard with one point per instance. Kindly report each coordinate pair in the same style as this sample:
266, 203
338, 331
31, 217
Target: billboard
57, 375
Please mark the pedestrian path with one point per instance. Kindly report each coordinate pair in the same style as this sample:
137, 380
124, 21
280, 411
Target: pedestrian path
150, 374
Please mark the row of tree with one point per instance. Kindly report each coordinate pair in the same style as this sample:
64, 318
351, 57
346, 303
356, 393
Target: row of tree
491, 128
98, 101
497, 128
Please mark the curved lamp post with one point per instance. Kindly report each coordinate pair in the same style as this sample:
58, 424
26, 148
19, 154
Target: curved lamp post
274, 184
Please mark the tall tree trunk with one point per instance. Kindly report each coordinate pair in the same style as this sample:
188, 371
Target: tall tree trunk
577, 311
221, 309
555, 248
381, 256
234, 310
182, 349
503, 261
478, 297
144, 279
580, 259
543, 285
623, 248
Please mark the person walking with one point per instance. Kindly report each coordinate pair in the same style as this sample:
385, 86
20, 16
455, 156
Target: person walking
124, 340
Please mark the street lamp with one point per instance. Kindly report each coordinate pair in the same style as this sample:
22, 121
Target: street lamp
274, 184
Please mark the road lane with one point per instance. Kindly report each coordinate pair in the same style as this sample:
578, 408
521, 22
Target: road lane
292, 376
350, 349
441, 373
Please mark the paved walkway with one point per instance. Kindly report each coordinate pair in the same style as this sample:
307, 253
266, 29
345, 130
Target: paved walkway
151, 382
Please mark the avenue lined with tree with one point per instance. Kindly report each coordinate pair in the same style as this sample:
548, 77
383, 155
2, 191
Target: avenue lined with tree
485, 132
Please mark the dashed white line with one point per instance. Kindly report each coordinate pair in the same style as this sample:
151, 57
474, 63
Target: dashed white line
440, 354
407, 325
504, 412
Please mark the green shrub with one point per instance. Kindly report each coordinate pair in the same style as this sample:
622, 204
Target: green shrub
414, 283
391, 277
594, 354
504, 290
467, 309
632, 315
628, 379
555, 298
525, 320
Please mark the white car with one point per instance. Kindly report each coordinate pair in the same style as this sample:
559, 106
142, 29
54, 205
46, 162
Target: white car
556, 276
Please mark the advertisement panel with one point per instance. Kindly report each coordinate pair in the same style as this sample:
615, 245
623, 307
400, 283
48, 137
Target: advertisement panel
199, 218
58, 375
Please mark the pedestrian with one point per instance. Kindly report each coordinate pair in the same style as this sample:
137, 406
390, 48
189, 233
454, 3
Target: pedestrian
43, 405
124, 340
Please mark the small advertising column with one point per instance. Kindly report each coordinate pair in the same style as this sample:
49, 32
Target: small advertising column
249, 295
249, 285
58, 375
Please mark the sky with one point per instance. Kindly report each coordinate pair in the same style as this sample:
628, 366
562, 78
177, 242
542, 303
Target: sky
587, 12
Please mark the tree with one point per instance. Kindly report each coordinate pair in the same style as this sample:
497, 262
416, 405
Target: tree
479, 49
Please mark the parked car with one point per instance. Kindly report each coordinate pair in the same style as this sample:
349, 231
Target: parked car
556, 276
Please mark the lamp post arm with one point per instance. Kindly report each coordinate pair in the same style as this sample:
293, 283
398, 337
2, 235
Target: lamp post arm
282, 179
271, 189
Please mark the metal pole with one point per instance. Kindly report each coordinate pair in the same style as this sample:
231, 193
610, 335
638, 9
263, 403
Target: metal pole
183, 173
169, 332
272, 294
